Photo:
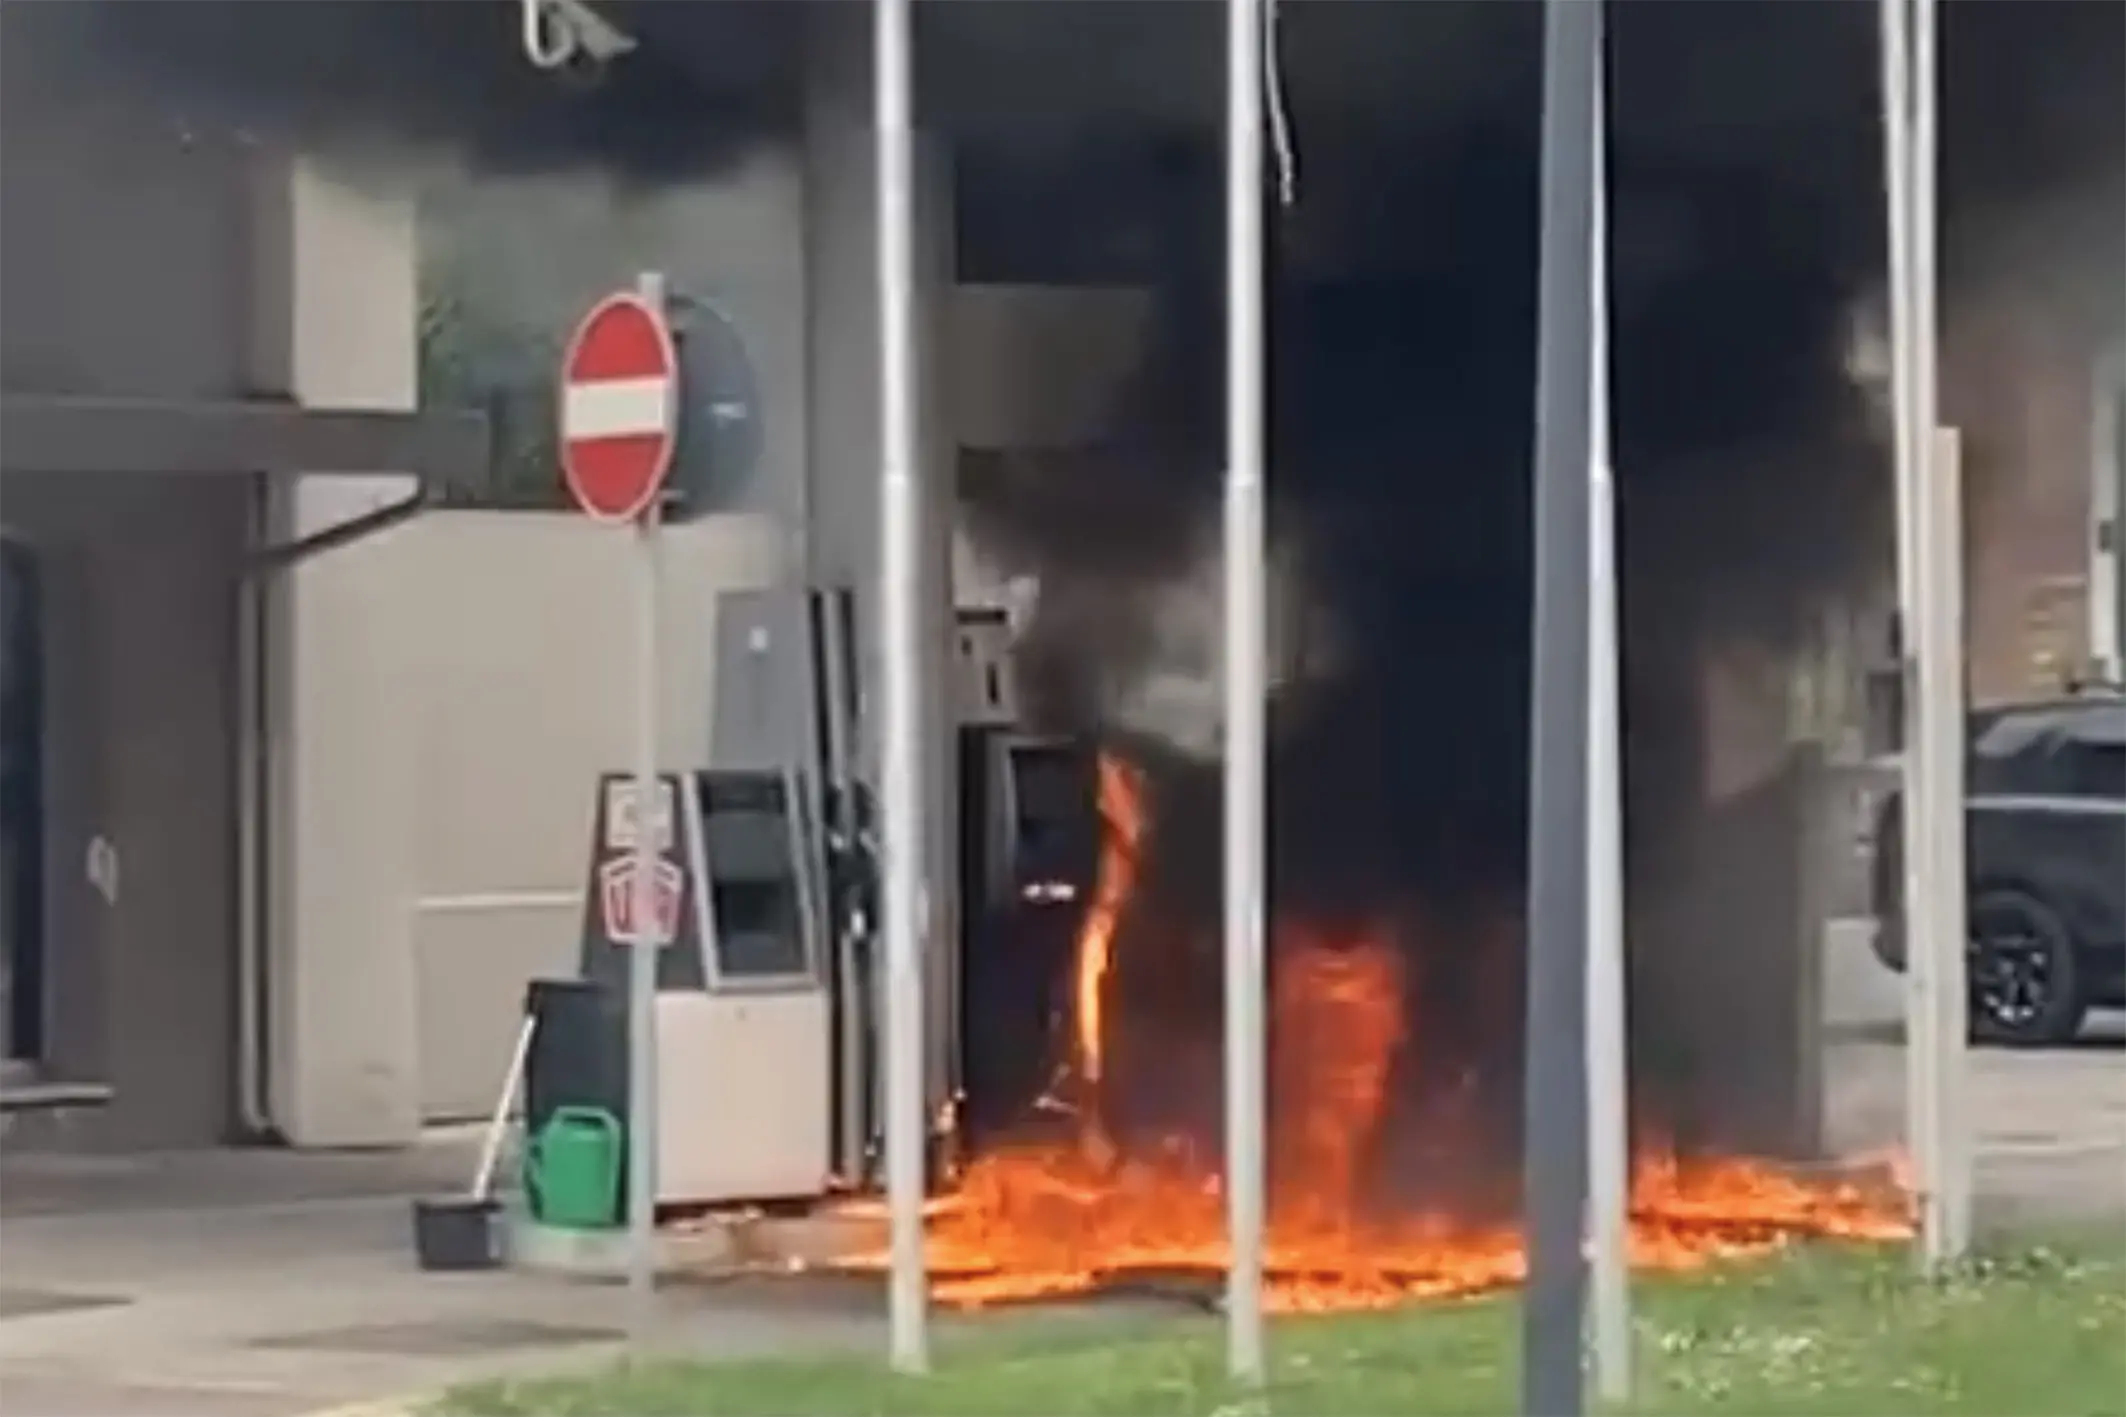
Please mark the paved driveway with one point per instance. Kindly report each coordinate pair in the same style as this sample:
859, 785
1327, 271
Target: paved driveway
248, 1284
2049, 1126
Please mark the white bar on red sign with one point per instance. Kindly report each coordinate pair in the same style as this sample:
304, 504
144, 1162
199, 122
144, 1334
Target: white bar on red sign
617, 408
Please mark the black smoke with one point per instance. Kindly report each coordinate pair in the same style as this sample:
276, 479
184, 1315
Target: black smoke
1746, 174
1746, 171
378, 77
1746, 189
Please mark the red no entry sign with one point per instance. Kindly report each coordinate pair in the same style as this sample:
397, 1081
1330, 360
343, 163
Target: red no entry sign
619, 407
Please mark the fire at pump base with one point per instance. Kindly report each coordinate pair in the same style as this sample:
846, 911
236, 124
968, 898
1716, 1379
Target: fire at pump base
1086, 1212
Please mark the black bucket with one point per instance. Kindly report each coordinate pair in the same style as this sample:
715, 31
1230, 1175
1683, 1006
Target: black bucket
454, 1233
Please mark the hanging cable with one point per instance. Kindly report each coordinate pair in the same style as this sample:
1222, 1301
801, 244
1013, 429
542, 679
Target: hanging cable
1273, 98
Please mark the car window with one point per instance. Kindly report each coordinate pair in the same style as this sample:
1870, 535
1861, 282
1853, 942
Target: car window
2071, 750
2094, 753
2003, 776
2102, 723
2012, 756
2099, 770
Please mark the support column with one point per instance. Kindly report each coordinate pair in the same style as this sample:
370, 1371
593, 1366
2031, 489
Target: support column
1728, 909
336, 316
841, 544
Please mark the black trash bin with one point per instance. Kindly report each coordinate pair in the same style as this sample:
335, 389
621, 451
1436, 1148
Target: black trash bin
578, 1054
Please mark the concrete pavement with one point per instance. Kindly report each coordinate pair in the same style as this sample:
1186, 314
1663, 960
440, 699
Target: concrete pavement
151, 1296
2049, 1126
1859, 994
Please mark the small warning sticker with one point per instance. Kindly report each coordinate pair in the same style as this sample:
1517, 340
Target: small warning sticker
620, 814
616, 901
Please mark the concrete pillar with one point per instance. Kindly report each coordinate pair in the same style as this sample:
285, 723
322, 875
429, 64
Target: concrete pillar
840, 255
1728, 909
337, 309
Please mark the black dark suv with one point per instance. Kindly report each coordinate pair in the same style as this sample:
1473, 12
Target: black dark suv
2045, 821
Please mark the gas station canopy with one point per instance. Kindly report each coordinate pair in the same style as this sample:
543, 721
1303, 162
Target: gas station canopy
86, 436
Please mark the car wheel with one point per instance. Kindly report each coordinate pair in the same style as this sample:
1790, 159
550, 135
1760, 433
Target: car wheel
2024, 992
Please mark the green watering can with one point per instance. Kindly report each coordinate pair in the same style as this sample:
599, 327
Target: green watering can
573, 1168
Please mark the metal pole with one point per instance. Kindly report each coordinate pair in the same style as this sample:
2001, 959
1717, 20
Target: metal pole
900, 580
1937, 635
1946, 1227
1922, 1045
1929, 578
1609, 1113
642, 957
1555, 1117
1897, 191
1922, 240
1246, 734
1895, 17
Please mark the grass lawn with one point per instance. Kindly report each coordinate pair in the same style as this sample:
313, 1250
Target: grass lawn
1821, 1331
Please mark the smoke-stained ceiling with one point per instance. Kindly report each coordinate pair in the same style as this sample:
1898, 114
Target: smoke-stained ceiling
2032, 84
1074, 109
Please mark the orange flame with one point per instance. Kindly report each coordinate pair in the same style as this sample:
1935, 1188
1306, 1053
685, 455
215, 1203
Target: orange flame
1037, 1220
1120, 803
1336, 1014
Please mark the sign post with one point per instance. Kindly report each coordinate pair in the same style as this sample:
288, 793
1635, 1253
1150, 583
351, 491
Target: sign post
901, 651
1554, 1129
619, 428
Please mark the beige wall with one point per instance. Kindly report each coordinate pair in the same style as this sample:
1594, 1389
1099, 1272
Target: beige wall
441, 697
478, 674
339, 978
518, 657
445, 693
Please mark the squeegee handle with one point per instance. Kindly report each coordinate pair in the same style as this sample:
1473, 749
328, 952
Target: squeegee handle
491, 1145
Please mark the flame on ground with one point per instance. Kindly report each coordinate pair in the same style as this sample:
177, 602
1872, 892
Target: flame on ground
1040, 1223
1058, 1218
